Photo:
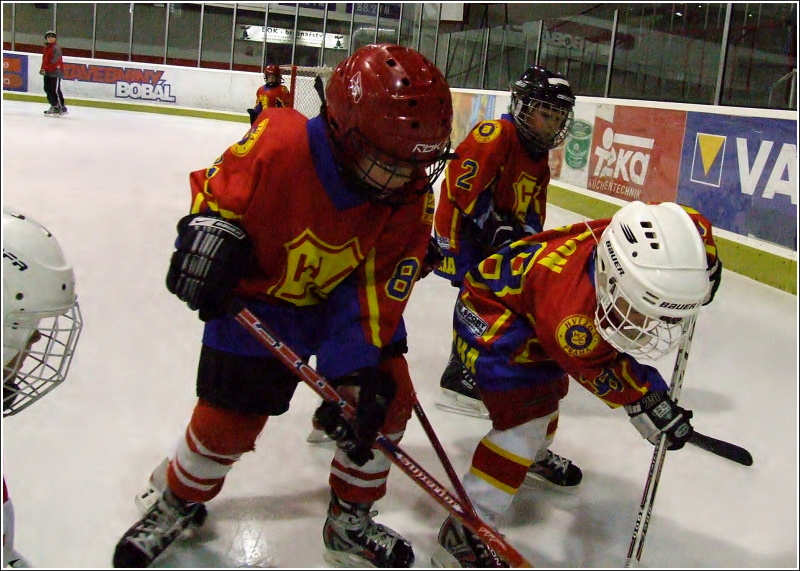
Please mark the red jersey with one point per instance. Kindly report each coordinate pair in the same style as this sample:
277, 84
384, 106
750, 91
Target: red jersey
309, 230
52, 60
536, 298
277, 96
492, 174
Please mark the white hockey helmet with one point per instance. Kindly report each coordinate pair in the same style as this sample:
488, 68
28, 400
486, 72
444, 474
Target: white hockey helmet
41, 316
650, 275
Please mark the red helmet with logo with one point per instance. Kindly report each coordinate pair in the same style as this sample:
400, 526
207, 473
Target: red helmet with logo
389, 109
274, 71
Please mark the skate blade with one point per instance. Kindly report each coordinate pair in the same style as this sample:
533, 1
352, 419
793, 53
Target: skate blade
454, 402
344, 559
535, 481
318, 437
442, 558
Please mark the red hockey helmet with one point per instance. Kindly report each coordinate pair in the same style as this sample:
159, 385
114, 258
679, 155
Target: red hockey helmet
272, 75
390, 115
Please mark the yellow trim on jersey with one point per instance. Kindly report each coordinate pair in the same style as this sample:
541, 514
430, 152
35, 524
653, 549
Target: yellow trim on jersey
495, 483
505, 453
626, 375
498, 323
372, 298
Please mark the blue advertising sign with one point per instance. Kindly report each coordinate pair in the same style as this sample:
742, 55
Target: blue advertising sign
741, 173
15, 72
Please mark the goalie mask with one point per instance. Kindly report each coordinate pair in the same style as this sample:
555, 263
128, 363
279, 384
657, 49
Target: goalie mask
650, 275
272, 75
41, 317
390, 115
541, 104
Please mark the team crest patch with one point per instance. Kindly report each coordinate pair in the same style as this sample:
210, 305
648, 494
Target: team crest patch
577, 335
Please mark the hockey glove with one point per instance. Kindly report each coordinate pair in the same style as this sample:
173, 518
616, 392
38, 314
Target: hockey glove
209, 260
715, 277
656, 414
433, 258
375, 393
500, 232
253, 115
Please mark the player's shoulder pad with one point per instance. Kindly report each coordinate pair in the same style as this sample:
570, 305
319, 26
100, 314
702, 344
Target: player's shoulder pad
487, 131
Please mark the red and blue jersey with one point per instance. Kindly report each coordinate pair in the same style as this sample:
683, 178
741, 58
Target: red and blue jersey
493, 175
278, 96
342, 264
525, 319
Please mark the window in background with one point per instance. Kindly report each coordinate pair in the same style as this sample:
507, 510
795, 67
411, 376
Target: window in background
183, 41
364, 24
149, 26
761, 67
113, 31
280, 34
216, 48
309, 37
409, 32
668, 52
506, 57
32, 21
75, 28
578, 47
464, 58
248, 40
8, 30
430, 18
338, 38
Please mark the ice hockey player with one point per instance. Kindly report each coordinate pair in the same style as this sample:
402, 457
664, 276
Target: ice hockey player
272, 94
319, 226
587, 300
52, 69
41, 326
495, 193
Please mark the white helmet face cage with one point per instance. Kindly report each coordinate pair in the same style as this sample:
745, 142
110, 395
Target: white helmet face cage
37, 356
41, 317
650, 275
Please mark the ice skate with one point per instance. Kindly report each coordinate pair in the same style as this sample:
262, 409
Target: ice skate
459, 392
352, 539
62, 110
317, 435
167, 520
52, 111
459, 547
555, 470
155, 486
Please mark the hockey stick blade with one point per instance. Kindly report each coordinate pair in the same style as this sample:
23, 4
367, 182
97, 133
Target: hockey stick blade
722, 448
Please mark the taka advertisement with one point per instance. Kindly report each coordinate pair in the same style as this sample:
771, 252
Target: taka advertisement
635, 152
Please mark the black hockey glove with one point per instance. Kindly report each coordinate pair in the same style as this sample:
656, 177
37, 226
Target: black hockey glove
433, 258
656, 414
375, 394
209, 258
715, 277
500, 232
253, 115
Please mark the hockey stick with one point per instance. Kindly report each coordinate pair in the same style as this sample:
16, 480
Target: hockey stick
394, 453
722, 448
437, 446
654, 475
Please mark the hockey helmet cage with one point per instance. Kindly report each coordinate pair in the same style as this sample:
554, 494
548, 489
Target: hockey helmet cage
387, 105
541, 104
650, 275
41, 316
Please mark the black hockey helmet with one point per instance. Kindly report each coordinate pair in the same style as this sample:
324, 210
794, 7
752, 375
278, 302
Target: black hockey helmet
541, 104
49, 33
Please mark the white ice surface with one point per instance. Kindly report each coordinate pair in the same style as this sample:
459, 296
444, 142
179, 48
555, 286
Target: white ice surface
111, 186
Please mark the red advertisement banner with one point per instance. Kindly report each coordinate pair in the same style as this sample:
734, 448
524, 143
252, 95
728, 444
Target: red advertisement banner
636, 153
